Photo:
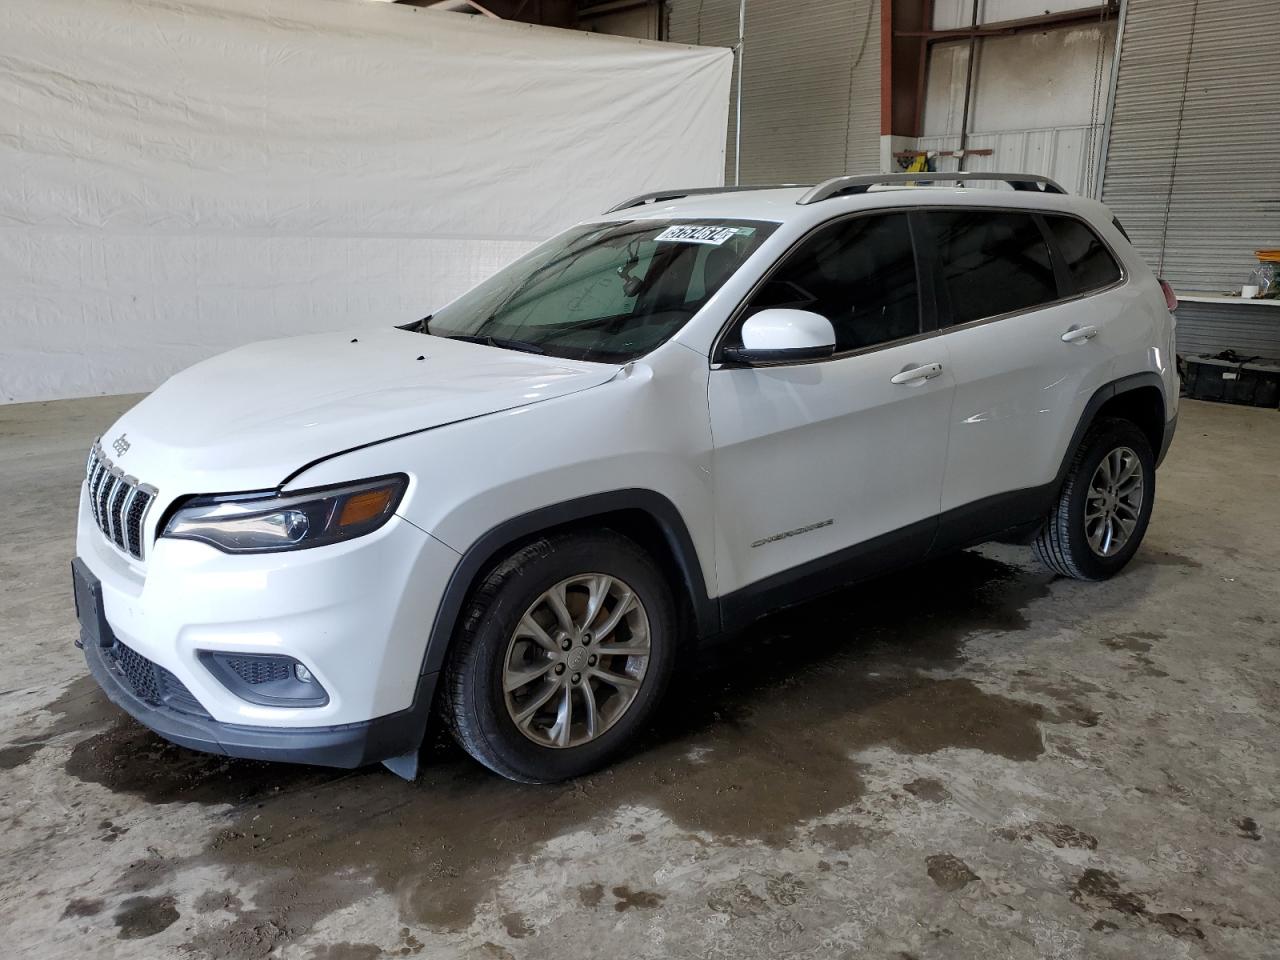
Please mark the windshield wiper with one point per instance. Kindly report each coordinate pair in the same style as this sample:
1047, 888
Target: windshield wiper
416, 326
522, 345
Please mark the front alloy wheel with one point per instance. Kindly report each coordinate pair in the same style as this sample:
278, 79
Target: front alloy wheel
576, 660
563, 651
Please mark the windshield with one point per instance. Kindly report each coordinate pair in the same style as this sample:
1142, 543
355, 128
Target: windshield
607, 292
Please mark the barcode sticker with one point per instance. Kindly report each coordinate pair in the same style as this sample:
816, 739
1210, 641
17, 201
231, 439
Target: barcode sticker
693, 233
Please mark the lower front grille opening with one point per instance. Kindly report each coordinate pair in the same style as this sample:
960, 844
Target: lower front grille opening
151, 682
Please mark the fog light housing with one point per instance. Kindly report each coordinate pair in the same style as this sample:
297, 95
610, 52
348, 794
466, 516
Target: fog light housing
267, 679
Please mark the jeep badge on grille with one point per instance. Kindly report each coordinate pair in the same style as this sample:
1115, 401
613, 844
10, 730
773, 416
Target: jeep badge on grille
121, 445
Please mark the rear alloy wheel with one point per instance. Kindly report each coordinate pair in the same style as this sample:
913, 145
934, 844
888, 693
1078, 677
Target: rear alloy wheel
1101, 515
563, 652
1113, 502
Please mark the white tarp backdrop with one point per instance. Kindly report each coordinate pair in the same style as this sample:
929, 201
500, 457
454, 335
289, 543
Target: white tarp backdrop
178, 177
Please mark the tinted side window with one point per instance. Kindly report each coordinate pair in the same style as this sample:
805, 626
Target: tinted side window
992, 262
1087, 258
859, 273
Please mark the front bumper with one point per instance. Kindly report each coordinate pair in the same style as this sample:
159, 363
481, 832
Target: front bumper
355, 614
182, 720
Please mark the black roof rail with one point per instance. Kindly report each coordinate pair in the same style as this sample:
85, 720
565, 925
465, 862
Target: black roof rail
844, 186
658, 196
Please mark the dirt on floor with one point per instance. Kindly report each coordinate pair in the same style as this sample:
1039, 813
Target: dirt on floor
971, 758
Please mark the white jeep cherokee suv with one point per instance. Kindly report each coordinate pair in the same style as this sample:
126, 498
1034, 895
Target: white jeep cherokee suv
661, 424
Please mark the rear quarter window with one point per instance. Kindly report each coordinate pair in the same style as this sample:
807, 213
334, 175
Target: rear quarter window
993, 262
1086, 257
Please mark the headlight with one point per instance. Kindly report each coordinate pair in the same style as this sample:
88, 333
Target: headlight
261, 522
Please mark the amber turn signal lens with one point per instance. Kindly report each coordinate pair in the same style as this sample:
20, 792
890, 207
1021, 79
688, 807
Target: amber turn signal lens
365, 506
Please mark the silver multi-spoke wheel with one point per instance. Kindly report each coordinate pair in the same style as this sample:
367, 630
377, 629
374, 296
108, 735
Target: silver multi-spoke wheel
575, 661
1114, 502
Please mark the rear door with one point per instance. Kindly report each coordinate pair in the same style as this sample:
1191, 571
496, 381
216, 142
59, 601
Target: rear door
1028, 342
815, 460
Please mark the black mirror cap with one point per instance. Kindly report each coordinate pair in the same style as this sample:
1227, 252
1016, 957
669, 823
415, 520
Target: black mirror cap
742, 357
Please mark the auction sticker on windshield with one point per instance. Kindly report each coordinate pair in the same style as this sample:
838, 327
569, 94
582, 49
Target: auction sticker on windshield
693, 233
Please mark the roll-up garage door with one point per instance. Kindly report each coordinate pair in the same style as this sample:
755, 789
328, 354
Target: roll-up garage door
811, 84
1193, 161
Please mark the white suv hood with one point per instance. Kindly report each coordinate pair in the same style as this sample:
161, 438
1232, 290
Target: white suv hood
247, 419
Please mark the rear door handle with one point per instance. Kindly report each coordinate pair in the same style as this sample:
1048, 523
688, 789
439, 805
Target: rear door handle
1079, 334
926, 371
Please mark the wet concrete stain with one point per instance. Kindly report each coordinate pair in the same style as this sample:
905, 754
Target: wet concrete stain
844, 836
949, 872
111, 832
141, 917
774, 733
590, 894
1248, 828
737, 900
346, 951
212, 901
1139, 641
517, 925
1165, 558
129, 758
15, 755
784, 889
82, 907
1098, 888
1061, 835
81, 706
928, 789
1137, 645
144, 874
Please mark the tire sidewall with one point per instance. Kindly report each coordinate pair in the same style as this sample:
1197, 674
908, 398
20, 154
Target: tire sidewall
521, 586
1116, 434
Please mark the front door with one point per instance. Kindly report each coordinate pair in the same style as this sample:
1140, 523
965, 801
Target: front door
821, 464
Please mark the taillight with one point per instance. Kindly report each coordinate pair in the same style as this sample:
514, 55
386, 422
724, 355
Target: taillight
1170, 298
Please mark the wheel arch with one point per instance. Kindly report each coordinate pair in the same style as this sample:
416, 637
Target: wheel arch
1139, 398
645, 516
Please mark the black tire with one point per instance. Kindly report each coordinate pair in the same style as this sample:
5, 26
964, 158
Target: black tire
474, 704
1062, 544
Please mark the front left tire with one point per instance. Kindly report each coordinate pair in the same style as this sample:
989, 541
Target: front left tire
563, 653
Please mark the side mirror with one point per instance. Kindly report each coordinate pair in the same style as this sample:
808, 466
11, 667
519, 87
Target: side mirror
783, 336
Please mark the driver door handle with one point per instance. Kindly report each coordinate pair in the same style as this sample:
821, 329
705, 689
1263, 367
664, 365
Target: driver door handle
926, 371
1079, 334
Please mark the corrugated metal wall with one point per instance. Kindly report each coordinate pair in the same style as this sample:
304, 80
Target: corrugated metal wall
1058, 152
1193, 163
1209, 328
811, 84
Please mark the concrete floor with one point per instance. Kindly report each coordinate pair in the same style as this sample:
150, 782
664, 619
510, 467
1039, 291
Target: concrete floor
973, 760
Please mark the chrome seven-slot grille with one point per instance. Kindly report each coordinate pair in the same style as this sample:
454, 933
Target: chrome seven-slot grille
119, 502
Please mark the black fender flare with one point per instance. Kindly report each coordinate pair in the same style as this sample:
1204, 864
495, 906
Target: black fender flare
494, 542
1108, 391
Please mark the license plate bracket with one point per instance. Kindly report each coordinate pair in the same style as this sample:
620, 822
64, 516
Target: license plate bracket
89, 610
